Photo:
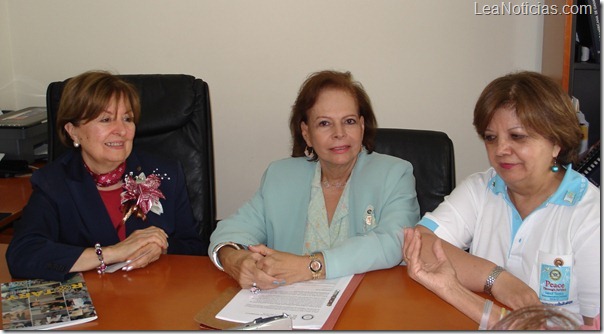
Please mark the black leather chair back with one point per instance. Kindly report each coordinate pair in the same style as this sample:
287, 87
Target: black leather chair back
430, 153
175, 123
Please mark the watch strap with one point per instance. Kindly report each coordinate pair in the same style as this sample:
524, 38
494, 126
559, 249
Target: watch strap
314, 258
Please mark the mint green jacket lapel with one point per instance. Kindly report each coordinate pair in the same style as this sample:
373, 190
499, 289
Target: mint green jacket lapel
276, 214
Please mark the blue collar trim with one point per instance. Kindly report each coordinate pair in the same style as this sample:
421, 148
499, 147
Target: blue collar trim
569, 193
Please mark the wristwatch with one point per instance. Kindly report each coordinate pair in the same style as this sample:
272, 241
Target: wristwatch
214, 256
315, 266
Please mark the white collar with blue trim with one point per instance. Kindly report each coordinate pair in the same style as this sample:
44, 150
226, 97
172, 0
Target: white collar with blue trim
570, 191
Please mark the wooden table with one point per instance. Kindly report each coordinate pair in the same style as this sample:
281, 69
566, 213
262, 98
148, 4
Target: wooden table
168, 294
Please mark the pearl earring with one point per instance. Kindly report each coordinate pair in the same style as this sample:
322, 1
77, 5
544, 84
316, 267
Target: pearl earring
76, 145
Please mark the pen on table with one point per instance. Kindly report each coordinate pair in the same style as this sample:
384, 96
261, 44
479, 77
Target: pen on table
333, 297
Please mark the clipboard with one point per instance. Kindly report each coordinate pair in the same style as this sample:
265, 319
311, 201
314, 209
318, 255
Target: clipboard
206, 317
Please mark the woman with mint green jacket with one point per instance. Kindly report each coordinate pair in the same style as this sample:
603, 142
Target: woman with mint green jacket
335, 208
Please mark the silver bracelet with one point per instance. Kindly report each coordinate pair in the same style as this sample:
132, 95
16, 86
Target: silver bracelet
214, 257
488, 285
486, 314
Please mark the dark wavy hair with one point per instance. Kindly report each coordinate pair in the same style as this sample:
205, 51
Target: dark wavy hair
541, 106
307, 97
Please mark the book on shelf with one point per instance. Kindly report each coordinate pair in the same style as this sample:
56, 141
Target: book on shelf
589, 164
42, 304
587, 27
594, 24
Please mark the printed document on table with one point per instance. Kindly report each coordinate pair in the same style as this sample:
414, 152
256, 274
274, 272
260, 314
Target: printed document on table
309, 303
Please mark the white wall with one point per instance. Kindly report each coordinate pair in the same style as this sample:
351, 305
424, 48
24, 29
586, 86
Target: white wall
423, 63
7, 90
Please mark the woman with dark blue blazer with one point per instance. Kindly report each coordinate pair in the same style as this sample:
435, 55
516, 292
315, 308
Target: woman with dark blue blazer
101, 203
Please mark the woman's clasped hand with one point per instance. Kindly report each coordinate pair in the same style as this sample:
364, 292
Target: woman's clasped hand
140, 248
266, 267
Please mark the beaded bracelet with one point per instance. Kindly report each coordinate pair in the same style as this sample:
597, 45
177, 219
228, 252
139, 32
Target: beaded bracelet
99, 254
486, 314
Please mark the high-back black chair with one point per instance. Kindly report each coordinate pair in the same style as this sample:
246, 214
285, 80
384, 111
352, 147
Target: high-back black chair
433, 159
175, 123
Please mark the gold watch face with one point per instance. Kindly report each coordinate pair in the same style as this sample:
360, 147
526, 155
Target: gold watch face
316, 266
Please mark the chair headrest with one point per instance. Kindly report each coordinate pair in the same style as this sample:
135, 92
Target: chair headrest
168, 101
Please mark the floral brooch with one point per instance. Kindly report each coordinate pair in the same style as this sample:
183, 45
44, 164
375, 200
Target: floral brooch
141, 194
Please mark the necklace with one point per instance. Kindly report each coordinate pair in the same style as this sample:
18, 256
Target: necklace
107, 179
327, 184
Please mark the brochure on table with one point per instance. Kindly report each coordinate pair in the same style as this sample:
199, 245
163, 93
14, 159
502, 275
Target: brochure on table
41, 304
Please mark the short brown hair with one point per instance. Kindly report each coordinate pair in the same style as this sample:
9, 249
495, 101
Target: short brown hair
541, 106
86, 95
307, 97
538, 317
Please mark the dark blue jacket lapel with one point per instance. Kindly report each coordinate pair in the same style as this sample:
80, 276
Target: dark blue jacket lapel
88, 202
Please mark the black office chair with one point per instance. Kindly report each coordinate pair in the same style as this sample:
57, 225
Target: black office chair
175, 123
433, 159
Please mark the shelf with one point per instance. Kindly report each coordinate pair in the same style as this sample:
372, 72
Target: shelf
586, 66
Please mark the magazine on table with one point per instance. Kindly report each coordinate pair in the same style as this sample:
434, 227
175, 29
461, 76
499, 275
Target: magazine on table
42, 304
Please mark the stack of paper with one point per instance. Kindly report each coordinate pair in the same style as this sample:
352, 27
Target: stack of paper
311, 304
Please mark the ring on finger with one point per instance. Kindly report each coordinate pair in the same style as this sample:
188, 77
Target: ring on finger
254, 289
